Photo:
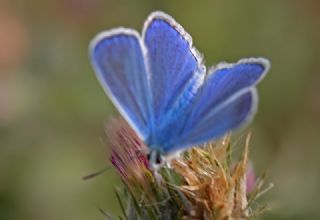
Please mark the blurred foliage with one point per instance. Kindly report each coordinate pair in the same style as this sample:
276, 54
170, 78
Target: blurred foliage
53, 111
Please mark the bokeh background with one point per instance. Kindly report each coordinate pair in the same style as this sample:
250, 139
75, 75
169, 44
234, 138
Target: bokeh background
53, 111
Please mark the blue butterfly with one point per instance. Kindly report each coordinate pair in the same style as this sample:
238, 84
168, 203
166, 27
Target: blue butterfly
160, 86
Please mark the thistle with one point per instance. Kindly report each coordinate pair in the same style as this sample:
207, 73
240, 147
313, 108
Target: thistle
203, 183
159, 83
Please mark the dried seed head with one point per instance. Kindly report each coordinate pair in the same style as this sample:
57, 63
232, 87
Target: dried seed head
200, 184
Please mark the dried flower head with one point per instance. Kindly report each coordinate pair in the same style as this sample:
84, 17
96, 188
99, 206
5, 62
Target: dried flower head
203, 183
128, 153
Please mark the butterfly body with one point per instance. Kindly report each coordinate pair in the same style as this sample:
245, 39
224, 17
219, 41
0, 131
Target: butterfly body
160, 86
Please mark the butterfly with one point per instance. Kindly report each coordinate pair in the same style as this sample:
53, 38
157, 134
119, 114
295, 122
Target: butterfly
159, 84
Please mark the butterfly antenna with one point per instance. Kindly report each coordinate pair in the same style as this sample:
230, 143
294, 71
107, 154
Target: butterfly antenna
95, 174
105, 214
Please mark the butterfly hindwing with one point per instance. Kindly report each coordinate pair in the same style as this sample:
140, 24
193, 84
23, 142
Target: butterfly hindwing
118, 60
226, 101
234, 112
224, 81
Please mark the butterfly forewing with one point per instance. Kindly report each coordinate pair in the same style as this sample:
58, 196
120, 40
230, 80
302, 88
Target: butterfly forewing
176, 73
117, 58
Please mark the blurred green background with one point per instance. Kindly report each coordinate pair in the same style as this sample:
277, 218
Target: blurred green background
53, 111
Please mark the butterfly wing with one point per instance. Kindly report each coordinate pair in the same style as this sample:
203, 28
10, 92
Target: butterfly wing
234, 112
118, 60
176, 72
227, 100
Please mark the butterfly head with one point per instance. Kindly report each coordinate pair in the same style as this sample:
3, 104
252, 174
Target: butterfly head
156, 159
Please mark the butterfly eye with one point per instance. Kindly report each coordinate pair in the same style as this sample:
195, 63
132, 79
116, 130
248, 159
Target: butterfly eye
158, 159
155, 158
